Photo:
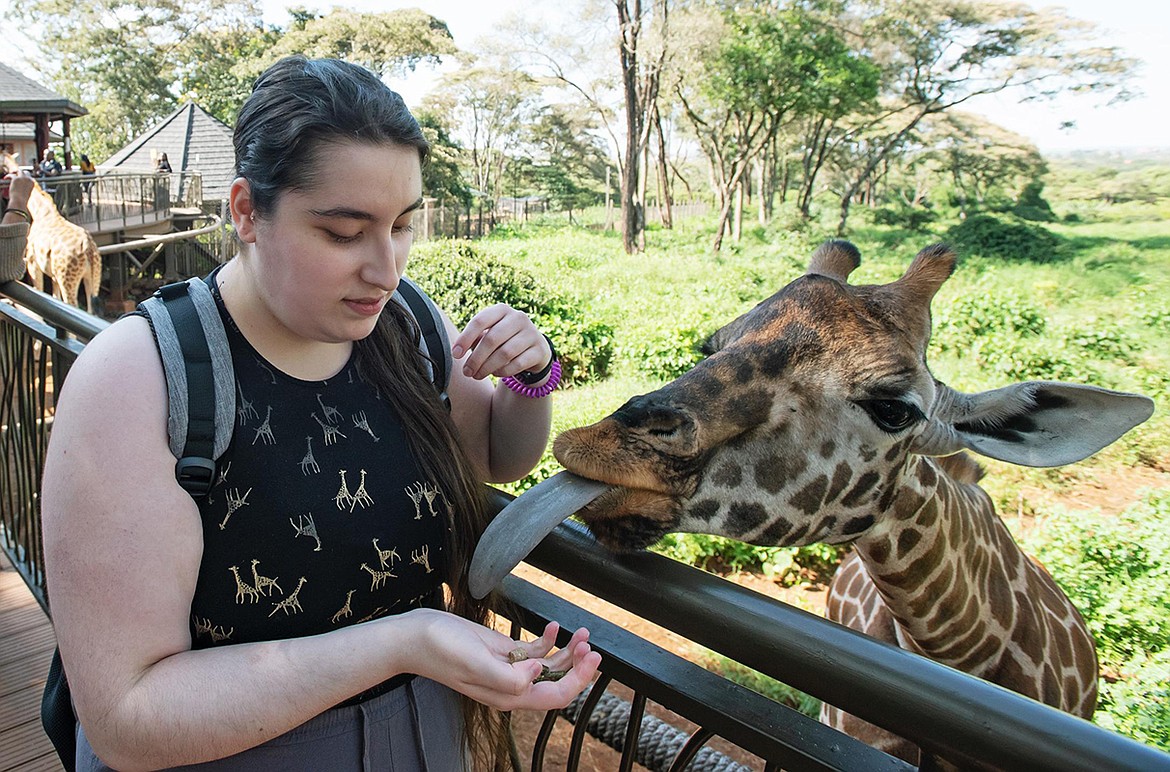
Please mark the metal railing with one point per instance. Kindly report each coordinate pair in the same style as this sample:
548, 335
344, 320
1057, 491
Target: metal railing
950, 715
113, 201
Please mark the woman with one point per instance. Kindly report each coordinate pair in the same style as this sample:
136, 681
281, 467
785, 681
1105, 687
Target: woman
279, 623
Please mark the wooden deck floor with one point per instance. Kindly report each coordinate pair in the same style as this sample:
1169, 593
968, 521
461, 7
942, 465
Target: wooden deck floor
26, 646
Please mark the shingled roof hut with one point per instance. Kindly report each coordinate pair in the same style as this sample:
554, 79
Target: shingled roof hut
194, 141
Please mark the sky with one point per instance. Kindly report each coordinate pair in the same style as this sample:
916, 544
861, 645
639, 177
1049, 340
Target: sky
1140, 27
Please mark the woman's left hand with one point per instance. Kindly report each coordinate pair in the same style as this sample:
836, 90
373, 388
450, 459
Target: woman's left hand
502, 341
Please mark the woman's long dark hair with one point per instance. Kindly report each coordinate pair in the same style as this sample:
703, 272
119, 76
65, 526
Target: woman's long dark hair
297, 105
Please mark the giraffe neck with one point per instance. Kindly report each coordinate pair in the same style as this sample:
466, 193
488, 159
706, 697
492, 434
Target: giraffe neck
947, 569
41, 206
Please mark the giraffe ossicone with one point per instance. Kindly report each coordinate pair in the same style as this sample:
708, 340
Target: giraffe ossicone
815, 418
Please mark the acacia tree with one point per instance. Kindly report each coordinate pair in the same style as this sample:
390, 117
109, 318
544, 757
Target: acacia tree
390, 43
488, 106
937, 55
988, 166
757, 69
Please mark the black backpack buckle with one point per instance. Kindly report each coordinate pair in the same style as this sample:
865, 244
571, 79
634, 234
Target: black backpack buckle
195, 475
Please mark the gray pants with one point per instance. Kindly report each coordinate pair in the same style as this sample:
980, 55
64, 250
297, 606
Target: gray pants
414, 728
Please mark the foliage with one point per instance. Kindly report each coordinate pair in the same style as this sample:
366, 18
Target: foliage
1031, 204
441, 176
1004, 237
937, 56
1116, 570
463, 282
390, 43
130, 74
961, 322
760, 683
761, 68
789, 566
666, 352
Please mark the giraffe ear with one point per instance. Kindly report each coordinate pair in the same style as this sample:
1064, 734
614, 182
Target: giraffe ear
835, 259
1043, 423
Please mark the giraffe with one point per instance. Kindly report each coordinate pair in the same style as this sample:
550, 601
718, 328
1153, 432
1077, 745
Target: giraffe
243, 590
262, 583
814, 418
386, 557
291, 604
61, 250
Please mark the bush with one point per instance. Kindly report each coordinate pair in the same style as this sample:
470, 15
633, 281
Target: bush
1102, 341
976, 314
912, 218
1004, 237
1116, 571
666, 353
464, 282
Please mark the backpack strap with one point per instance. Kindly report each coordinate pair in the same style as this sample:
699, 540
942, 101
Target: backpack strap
197, 362
435, 343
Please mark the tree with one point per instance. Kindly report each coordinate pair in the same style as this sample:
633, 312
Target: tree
937, 55
122, 59
988, 166
641, 76
390, 43
570, 160
756, 69
129, 62
488, 107
441, 175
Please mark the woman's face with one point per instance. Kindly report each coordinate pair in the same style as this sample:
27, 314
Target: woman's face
325, 260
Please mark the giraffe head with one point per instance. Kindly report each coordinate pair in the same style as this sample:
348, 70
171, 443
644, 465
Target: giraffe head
811, 411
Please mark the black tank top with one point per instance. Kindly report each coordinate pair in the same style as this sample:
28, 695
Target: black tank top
319, 517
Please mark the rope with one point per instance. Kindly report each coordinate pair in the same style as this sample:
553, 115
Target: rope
658, 742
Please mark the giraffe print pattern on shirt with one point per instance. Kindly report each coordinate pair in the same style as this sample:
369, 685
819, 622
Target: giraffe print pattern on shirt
318, 517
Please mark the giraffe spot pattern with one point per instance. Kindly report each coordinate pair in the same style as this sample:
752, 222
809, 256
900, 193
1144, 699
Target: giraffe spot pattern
773, 472
744, 517
729, 475
808, 499
705, 509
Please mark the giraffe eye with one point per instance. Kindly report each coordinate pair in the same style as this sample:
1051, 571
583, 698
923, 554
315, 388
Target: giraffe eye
891, 415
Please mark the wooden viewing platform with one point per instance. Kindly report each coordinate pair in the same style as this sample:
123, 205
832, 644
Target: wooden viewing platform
26, 646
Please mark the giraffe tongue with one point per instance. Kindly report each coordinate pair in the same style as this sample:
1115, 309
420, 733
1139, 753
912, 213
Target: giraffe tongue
522, 525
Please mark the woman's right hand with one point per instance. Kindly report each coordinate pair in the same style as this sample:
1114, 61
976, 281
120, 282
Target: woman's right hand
20, 186
484, 664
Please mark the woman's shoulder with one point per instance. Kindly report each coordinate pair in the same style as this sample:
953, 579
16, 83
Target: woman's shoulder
123, 354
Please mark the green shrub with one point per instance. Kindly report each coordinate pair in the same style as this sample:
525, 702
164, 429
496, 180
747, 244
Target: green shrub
464, 282
814, 563
912, 218
1004, 237
1102, 341
1009, 358
759, 683
1116, 571
1138, 705
666, 353
981, 312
